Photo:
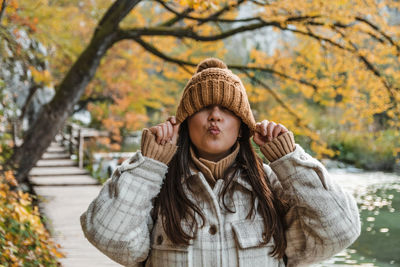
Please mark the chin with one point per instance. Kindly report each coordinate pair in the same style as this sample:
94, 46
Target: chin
217, 150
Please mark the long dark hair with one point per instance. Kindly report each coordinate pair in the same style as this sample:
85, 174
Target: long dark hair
174, 206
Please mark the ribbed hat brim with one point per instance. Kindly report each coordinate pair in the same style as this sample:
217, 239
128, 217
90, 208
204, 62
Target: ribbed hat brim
219, 87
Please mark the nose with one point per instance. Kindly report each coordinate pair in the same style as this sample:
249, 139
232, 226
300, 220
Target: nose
215, 113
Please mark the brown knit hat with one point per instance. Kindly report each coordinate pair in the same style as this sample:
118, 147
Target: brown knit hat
214, 83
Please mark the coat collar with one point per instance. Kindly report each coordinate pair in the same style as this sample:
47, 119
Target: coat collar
238, 179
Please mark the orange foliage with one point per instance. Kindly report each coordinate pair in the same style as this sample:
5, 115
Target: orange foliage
338, 60
23, 238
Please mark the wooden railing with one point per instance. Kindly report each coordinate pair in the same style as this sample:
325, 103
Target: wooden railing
73, 137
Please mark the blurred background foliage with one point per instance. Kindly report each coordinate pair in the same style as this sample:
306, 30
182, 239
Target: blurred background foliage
333, 64
328, 70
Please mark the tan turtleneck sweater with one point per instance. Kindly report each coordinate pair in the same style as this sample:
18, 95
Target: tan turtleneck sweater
214, 170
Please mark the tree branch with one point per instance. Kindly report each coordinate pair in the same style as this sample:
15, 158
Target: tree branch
277, 98
135, 34
2, 9
309, 33
32, 90
376, 72
212, 17
299, 121
119, 10
357, 19
275, 72
178, 17
376, 28
83, 102
188, 32
182, 63
258, 3
152, 49
217, 14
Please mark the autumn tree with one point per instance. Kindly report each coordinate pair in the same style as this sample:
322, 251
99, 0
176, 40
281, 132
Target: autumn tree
340, 54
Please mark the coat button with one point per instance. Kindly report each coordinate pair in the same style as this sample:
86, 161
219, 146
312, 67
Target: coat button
264, 237
159, 239
213, 229
303, 157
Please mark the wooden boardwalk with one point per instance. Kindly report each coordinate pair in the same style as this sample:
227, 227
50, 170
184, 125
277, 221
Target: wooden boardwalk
65, 192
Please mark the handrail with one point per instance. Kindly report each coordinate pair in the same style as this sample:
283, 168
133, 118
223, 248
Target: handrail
73, 136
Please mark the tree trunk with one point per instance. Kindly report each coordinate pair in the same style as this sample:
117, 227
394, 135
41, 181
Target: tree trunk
53, 115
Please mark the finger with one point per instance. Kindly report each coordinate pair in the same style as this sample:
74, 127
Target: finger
263, 126
153, 130
261, 139
172, 119
271, 125
258, 139
170, 131
284, 129
175, 134
176, 128
158, 129
276, 131
258, 127
165, 134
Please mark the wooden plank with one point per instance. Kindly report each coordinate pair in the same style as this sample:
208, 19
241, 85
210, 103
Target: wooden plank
55, 149
56, 163
65, 192
54, 171
65, 180
62, 206
55, 156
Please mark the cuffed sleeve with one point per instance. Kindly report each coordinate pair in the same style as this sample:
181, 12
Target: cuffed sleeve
322, 219
279, 147
118, 220
151, 149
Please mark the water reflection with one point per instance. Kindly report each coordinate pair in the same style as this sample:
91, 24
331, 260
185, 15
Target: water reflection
378, 198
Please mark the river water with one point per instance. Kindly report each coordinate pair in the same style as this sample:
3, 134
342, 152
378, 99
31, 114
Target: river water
378, 198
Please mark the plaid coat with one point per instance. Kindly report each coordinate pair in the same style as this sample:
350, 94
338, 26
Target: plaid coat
322, 219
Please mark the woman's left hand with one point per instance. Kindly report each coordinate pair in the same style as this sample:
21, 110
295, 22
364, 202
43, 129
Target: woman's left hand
266, 131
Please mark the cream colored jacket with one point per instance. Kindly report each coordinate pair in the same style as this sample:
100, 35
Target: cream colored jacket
322, 220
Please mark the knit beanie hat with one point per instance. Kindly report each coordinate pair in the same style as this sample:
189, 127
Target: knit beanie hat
214, 83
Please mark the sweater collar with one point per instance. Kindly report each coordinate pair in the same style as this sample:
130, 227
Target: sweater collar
214, 170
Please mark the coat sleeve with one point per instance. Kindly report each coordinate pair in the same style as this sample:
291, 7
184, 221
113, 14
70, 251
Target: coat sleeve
118, 221
322, 219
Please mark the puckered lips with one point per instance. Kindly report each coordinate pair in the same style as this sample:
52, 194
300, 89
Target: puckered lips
214, 130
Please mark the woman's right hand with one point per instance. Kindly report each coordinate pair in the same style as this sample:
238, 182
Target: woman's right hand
166, 132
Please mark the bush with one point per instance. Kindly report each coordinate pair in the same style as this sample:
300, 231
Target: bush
370, 151
24, 240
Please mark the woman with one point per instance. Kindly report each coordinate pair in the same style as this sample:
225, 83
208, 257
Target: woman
197, 194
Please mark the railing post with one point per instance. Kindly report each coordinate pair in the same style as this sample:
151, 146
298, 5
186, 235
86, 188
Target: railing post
80, 148
71, 138
62, 132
